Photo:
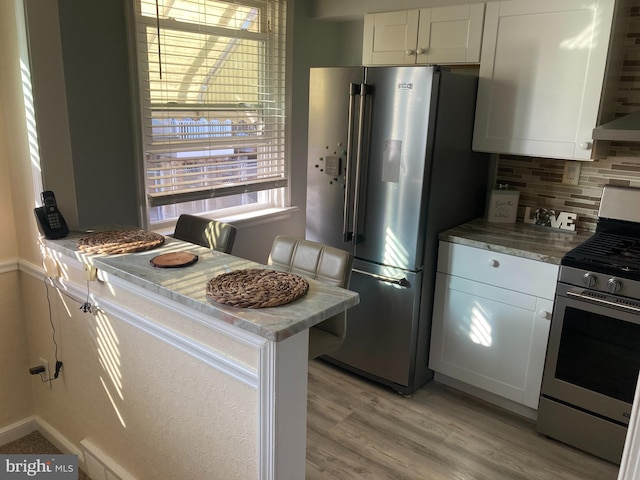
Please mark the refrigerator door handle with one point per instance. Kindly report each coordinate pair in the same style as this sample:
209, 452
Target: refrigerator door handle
403, 282
354, 91
364, 90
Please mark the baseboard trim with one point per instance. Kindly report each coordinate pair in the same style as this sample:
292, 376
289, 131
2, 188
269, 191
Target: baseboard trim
100, 465
488, 397
61, 442
30, 424
17, 430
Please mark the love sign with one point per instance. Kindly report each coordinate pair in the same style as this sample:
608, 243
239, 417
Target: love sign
549, 218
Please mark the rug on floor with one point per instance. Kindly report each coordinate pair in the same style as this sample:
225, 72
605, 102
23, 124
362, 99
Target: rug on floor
33, 444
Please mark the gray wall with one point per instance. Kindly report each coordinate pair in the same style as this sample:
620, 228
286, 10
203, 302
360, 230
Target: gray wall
83, 109
96, 70
316, 43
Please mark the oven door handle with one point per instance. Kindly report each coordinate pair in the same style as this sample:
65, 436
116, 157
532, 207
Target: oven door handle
602, 301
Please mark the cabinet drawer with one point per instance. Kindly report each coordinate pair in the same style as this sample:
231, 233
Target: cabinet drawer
514, 273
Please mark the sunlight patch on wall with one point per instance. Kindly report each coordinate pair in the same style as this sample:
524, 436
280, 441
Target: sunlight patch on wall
109, 357
29, 112
113, 403
27, 94
108, 351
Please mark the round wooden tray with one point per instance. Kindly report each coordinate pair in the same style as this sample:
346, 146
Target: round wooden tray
120, 241
174, 260
256, 288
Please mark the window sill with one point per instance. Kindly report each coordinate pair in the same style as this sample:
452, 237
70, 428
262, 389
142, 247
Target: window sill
244, 220
259, 217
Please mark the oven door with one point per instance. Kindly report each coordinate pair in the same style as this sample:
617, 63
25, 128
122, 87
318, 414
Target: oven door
593, 356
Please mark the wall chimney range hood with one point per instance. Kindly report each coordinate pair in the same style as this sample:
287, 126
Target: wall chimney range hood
623, 129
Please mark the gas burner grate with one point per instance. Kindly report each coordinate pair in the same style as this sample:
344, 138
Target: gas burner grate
610, 252
630, 251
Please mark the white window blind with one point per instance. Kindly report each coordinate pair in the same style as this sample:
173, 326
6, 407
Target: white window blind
212, 88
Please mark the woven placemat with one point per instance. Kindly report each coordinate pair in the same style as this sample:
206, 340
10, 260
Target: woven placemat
120, 241
256, 288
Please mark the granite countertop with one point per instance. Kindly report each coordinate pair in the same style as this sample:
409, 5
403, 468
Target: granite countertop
518, 239
187, 286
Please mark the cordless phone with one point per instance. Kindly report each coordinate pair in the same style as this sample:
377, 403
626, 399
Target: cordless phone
51, 223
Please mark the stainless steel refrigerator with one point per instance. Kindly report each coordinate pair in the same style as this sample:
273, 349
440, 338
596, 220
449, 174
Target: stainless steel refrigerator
390, 166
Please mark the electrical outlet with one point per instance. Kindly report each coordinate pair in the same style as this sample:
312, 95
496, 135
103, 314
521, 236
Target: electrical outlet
90, 272
47, 372
51, 266
571, 174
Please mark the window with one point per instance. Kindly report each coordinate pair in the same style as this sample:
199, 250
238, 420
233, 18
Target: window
212, 102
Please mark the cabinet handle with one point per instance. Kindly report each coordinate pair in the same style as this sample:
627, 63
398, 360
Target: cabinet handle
585, 146
544, 314
410, 51
420, 51
493, 263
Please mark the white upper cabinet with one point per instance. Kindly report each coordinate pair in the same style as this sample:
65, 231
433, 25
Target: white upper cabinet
541, 77
441, 35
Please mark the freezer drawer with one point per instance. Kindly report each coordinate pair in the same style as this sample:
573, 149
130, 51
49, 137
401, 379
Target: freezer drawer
382, 328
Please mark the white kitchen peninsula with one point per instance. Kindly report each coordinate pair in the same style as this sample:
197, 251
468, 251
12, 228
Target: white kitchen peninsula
228, 392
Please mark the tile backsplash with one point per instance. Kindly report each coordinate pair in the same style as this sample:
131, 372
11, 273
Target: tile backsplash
539, 180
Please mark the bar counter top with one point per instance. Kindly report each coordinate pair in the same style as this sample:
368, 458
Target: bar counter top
187, 286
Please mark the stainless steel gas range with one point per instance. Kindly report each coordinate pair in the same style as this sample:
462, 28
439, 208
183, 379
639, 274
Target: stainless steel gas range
593, 356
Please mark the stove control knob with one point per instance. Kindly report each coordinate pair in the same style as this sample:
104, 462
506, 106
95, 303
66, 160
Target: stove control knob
588, 280
614, 285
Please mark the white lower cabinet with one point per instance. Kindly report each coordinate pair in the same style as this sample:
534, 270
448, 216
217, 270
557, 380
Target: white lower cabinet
490, 331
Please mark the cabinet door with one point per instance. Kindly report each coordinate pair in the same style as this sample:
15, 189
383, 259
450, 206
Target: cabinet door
450, 34
390, 38
538, 352
541, 77
489, 337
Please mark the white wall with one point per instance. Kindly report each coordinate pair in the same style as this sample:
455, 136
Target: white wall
15, 393
15, 384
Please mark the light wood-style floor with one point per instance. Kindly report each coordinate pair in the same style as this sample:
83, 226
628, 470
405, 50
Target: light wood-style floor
359, 430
